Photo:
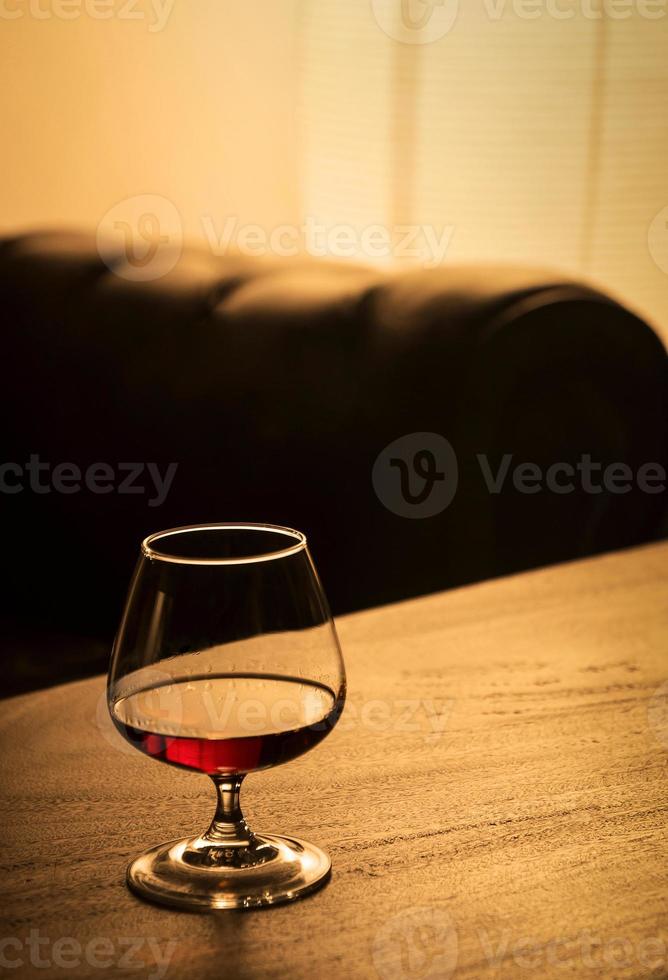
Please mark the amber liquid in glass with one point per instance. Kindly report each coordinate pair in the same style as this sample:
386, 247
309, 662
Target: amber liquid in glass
228, 723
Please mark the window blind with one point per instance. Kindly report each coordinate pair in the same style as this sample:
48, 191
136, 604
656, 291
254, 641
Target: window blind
536, 131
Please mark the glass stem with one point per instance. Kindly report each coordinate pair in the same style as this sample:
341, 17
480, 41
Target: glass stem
229, 828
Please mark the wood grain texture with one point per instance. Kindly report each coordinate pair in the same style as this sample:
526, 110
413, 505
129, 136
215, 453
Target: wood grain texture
510, 780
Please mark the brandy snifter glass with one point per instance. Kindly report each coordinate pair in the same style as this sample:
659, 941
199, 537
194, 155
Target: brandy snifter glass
226, 662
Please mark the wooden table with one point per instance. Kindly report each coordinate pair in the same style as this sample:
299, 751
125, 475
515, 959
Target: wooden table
495, 800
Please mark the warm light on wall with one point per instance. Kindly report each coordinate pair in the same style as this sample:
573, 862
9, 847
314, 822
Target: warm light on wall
519, 131
193, 102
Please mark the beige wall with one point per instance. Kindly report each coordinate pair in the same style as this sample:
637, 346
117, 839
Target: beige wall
95, 110
540, 141
519, 137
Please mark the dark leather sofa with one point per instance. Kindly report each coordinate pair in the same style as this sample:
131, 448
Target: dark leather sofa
274, 385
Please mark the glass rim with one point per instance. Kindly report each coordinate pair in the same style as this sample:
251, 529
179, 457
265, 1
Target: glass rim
298, 537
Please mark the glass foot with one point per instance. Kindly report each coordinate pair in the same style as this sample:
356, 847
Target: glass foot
198, 873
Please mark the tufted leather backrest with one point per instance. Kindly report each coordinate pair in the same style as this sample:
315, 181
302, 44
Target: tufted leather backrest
275, 384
